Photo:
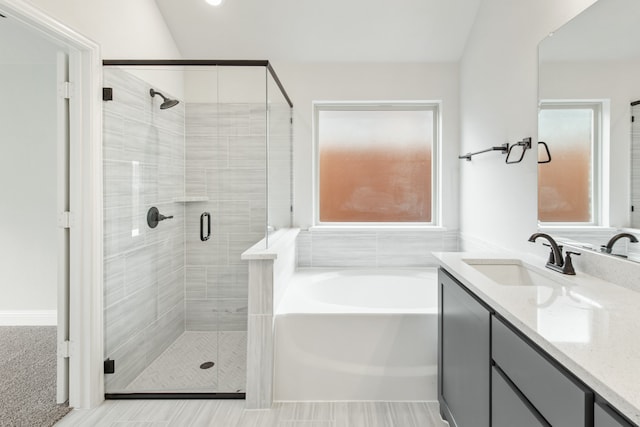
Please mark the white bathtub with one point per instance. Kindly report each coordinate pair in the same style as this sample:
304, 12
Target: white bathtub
357, 335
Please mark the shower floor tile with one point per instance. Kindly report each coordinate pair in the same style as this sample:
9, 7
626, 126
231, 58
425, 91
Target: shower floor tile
178, 368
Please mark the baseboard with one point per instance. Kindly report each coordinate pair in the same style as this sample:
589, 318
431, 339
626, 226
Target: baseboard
28, 318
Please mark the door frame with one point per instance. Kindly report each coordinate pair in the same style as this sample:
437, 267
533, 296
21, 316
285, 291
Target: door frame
86, 385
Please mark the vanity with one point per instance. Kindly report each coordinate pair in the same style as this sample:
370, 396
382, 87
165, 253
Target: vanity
521, 345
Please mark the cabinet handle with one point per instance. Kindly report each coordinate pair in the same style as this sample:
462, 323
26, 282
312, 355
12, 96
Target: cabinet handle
204, 237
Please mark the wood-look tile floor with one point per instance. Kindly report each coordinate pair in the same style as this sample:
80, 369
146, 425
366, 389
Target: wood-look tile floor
231, 413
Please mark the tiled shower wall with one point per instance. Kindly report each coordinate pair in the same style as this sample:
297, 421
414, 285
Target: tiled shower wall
226, 164
144, 267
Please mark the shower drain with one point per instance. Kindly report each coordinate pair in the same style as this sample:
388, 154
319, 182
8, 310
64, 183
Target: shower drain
207, 365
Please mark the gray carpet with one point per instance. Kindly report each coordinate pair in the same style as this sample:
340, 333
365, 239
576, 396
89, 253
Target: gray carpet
28, 377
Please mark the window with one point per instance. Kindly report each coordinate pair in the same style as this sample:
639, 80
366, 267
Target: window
375, 163
568, 186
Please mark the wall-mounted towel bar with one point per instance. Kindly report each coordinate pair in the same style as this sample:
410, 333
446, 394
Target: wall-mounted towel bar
503, 148
515, 152
546, 154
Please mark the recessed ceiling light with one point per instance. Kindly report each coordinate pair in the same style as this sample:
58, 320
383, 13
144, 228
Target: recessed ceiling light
214, 2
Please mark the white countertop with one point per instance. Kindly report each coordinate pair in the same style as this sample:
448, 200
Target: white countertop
590, 326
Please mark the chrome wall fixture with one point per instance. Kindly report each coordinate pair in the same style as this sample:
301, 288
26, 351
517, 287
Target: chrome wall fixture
502, 148
167, 102
154, 217
515, 152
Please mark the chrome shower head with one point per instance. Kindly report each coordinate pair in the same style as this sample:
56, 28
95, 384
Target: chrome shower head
168, 103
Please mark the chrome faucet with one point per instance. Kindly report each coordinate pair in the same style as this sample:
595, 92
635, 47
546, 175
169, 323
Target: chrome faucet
608, 248
555, 262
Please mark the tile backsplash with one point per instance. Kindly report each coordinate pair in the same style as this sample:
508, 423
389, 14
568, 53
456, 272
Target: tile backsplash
373, 248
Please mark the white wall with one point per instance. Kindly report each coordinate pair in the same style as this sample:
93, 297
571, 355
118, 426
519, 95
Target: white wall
28, 225
124, 29
226, 84
498, 85
617, 82
307, 82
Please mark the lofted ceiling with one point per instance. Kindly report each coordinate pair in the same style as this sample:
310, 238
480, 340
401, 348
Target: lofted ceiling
606, 31
322, 30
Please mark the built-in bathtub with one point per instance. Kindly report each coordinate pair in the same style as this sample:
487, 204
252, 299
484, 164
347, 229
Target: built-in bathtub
357, 335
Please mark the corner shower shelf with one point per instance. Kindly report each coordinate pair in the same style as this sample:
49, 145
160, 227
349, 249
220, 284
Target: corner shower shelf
190, 199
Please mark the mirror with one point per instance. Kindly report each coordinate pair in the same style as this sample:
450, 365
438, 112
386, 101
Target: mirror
589, 94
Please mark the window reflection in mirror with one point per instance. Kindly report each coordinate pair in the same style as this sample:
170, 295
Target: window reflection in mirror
568, 185
596, 56
635, 165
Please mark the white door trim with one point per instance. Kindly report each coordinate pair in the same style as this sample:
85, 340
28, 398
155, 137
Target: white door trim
63, 146
86, 386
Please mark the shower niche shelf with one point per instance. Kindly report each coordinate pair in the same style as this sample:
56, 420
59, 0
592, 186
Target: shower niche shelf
190, 199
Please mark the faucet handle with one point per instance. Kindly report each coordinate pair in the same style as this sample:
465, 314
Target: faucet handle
568, 264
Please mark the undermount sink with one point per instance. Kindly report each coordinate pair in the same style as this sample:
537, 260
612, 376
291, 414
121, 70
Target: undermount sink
508, 272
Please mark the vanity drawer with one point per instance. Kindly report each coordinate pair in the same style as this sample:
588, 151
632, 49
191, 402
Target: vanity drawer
508, 407
606, 417
556, 395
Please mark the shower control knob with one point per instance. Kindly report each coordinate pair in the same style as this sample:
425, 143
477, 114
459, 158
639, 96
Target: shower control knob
154, 217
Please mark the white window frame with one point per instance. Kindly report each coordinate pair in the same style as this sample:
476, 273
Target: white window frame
598, 153
434, 106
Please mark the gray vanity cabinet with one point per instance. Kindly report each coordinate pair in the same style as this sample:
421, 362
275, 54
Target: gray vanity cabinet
606, 417
555, 394
464, 355
508, 405
490, 374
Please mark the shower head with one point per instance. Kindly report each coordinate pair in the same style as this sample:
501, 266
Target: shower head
168, 103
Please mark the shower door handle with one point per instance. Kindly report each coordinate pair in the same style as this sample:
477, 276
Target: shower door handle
204, 237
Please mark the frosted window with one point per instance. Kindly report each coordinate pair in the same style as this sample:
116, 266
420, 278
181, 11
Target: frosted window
565, 186
375, 166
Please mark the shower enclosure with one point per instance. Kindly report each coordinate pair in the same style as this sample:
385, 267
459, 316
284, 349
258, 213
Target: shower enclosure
197, 168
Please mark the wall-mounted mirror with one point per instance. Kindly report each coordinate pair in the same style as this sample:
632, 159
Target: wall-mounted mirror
589, 78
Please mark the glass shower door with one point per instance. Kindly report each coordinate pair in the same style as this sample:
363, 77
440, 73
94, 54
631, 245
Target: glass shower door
225, 170
280, 158
175, 285
143, 265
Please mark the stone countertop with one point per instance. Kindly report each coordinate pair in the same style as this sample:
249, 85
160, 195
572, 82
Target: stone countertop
590, 326
277, 241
